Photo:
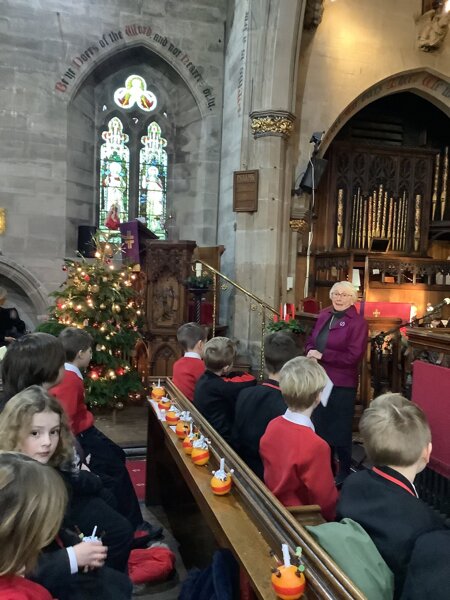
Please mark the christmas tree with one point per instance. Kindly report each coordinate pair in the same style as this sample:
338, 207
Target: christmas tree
99, 297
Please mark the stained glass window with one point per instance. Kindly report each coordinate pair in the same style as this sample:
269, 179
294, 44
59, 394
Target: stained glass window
152, 180
114, 176
133, 168
135, 92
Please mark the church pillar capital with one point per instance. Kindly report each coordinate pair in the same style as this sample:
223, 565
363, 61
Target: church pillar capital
277, 123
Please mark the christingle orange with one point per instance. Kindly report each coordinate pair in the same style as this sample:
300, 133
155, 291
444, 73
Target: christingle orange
158, 391
222, 481
172, 415
164, 403
289, 581
183, 426
200, 451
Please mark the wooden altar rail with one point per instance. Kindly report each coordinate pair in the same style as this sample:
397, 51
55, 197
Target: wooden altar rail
250, 521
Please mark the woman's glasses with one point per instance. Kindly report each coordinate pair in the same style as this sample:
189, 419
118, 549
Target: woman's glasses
340, 295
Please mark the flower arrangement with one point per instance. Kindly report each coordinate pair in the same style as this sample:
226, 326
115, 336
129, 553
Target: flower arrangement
281, 325
199, 282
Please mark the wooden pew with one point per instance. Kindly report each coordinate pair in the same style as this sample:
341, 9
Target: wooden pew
249, 521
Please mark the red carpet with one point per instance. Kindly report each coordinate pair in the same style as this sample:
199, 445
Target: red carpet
136, 469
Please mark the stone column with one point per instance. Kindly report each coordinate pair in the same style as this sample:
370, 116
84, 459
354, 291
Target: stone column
263, 238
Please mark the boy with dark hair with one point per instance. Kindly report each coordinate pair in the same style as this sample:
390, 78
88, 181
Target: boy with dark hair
215, 395
297, 465
189, 368
257, 406
383, 500
106, 458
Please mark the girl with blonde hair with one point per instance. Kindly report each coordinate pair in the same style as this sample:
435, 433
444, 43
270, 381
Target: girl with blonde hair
32, 503
34, 423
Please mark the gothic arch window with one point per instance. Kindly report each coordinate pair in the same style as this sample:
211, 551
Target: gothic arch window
152, 179
133, 161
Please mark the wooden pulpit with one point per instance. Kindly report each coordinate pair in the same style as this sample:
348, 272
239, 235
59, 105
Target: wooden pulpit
167, 266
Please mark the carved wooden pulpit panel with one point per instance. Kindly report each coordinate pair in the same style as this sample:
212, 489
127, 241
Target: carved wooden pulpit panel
167, 266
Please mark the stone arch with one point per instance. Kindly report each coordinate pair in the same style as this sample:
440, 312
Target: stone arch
25, 291
106, 55
429, 84
196, 130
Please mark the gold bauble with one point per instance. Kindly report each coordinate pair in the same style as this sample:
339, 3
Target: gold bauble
95, 288
119, 406
102, 306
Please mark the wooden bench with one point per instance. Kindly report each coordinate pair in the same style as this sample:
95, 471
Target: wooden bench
249, 521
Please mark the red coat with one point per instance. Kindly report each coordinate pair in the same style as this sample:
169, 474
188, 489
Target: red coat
19, 588
70, 393
346, 345
187, 370
297, 466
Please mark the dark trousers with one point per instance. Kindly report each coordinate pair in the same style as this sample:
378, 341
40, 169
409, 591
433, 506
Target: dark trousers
86, 512
108, 461
334, 424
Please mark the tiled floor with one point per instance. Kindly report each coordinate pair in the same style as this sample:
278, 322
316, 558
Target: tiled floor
128, 428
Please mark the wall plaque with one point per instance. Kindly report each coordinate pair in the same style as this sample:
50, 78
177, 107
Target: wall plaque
245, 191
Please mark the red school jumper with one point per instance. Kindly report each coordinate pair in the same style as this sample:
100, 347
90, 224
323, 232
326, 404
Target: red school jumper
19, 588
187, 370
70, 394
297, 467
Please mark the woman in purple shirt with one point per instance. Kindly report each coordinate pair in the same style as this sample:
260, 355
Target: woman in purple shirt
338, 341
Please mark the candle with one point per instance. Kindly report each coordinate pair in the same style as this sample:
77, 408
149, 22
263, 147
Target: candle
198, 269
286, 557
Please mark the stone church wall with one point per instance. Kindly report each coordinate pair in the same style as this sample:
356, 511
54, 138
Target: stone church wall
48, 52
358, 44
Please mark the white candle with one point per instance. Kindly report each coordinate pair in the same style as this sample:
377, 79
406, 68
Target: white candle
198, 269
286, 557
222, 464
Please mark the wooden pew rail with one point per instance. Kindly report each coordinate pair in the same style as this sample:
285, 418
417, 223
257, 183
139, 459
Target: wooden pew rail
249, 521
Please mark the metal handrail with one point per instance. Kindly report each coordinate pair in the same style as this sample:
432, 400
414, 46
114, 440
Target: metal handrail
263, 305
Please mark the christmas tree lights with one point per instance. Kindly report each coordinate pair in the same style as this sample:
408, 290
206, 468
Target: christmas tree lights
99, 296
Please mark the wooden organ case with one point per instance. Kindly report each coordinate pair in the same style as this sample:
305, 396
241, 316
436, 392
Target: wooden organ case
375, 213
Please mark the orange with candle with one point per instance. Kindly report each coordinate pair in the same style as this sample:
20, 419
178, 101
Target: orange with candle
158, 391
164, 403
189, 440
200, 451
288, 581
184, 424
172, 415
222, 481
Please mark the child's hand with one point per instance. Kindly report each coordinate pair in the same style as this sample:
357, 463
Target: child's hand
90, 555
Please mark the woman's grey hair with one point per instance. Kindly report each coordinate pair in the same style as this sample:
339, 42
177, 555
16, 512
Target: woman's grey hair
347, 287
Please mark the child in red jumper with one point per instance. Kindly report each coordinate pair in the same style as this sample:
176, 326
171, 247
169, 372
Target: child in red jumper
297, 462
106, 458
188, 369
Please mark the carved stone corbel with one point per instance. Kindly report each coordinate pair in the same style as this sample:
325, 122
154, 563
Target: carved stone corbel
279, 123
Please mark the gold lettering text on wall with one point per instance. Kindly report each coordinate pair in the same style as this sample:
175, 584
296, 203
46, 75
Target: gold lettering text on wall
2, 220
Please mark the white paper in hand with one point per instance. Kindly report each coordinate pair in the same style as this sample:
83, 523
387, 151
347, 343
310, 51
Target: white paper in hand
326, 392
